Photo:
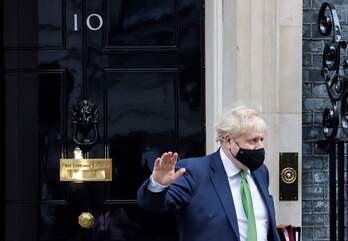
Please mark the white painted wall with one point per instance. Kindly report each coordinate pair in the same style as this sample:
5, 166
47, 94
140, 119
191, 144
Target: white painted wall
254, 57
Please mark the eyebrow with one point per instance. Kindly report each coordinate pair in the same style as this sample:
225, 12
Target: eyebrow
255, 137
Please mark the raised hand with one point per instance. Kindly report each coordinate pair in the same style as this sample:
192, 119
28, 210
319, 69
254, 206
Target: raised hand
164, 169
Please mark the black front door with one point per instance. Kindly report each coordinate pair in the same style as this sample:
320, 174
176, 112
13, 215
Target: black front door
140, 62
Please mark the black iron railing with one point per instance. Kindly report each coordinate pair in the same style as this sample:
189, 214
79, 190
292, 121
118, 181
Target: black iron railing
335, 75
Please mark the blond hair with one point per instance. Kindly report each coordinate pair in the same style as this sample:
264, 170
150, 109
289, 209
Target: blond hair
238, 121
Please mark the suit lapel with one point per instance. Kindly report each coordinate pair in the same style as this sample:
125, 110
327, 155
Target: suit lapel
262, 186
219, 179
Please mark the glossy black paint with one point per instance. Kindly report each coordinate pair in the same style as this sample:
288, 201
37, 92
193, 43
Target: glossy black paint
334, 72
85, 123
144, 70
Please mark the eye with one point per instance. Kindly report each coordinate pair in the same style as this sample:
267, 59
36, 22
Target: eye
253, 140
256, 140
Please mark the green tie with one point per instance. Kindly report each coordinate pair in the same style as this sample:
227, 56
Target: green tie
248, 206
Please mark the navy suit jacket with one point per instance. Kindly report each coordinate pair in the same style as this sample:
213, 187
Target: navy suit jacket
203, 203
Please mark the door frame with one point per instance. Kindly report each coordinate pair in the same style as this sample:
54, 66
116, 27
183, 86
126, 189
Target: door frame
220, 63
213, 69
2, 124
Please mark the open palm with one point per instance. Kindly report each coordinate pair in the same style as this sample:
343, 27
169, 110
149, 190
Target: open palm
164, 170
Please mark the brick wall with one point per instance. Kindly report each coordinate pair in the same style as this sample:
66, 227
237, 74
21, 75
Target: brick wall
315, 189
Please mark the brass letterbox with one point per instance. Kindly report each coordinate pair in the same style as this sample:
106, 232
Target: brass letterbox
79, 169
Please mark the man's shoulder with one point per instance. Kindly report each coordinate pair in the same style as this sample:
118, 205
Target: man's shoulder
263, 169
263, 172
194, 163
196, 167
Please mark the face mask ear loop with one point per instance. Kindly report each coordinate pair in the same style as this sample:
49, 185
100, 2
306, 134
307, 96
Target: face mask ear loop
235, 156
237, 144
231, 153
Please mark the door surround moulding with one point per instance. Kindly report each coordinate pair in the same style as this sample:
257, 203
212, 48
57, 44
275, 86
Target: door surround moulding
213, 73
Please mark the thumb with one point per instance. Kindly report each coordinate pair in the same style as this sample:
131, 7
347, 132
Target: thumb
180, 172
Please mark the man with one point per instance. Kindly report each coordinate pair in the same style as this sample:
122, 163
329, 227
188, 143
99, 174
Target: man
223, 196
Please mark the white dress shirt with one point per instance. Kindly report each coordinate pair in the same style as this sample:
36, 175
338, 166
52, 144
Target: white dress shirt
260, 211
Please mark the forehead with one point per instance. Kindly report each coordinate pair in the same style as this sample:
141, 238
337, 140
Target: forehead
251, 134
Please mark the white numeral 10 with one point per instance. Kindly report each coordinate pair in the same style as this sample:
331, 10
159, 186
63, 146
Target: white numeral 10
88, 22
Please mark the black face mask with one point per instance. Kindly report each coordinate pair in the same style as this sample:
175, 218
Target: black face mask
252, 159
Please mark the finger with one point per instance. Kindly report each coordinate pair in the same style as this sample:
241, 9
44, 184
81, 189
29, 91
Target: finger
175, 157
167, 158
179, 173
164, 155
163, 158
157, 163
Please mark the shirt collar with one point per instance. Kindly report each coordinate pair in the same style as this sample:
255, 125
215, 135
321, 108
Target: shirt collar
230, 168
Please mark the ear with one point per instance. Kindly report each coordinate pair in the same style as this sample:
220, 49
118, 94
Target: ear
228, 140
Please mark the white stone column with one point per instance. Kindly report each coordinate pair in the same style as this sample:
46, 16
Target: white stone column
214, 69
290, 101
